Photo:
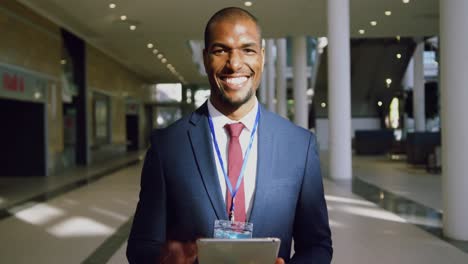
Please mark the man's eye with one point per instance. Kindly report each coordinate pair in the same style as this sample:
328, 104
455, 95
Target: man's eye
218, 51
250, 51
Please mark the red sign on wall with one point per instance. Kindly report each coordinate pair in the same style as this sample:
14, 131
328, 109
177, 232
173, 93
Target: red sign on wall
13, 83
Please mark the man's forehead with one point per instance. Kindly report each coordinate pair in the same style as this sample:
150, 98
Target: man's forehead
240, 26
235, 21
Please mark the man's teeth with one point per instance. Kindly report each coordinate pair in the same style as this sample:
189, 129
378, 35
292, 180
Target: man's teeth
237, 80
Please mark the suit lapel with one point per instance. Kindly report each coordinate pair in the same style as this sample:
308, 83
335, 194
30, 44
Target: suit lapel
265, 165
200, 139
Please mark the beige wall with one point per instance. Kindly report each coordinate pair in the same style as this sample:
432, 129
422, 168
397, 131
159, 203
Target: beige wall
28, 40
107, 76
33, 43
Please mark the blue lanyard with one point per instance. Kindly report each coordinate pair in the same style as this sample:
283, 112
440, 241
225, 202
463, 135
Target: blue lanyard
244, 163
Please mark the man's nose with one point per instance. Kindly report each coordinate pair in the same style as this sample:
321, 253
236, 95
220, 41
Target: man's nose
235, 61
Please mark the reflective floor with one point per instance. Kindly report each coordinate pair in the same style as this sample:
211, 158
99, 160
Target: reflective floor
419, 204
16, 193
90, 223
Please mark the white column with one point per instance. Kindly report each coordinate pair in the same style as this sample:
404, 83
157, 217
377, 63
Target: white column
418, 89
299, 60
408, 78
262, 93
270, 76
339, 90
263, 88
454, 95
281, 93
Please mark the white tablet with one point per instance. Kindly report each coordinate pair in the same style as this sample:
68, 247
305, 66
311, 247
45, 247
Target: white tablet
238, 251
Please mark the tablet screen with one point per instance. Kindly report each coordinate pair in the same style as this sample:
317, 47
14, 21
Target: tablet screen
234, 251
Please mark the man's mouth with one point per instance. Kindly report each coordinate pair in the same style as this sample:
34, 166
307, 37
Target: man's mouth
235, 80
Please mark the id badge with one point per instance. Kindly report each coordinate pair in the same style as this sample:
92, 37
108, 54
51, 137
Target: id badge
232, 230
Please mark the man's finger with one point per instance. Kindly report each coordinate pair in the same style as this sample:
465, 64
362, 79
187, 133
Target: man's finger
279, 261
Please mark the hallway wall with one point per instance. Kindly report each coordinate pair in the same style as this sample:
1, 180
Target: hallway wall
32, 44
106, 76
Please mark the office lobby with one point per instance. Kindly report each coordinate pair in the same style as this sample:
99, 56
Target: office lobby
381, 84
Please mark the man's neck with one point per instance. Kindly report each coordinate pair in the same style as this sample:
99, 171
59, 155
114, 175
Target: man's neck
235, 113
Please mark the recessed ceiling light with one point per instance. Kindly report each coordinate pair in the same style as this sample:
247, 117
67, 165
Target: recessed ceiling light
123, 17
379, 103
388, 13
37, 95
362, 31
163, 60
150, 45
155, 51
323, 104
373, 23
248, 3
160, 56
405, 1
112, 5
132, 27
398, 56
388, 81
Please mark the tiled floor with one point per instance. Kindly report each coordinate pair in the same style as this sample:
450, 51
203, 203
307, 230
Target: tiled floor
89, 224
365, 233
69, 228
18, 191
400, 178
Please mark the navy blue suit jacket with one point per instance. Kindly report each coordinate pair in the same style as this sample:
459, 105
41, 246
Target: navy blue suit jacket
181, 197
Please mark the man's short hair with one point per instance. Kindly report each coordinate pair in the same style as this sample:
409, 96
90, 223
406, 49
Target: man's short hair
230, 13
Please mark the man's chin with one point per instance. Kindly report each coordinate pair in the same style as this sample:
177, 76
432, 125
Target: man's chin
237, 102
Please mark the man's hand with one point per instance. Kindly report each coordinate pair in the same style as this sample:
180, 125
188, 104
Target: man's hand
279, 261
176, 252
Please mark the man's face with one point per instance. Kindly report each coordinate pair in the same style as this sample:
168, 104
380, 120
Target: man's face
234, 61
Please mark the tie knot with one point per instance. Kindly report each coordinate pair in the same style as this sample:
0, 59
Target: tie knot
235, 129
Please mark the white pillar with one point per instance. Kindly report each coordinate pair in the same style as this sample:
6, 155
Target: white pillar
299, 60
270, 74
281, 93
263, 88
339, 90
418, 89
454, 95
408, 78
262, 93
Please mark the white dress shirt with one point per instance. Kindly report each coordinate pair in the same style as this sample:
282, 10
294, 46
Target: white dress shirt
222, 137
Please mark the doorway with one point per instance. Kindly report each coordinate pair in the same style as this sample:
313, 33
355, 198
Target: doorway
22, 137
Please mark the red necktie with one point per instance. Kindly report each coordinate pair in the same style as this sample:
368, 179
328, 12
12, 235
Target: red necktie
235, 161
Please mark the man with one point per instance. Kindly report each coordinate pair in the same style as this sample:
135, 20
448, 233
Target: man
183, 184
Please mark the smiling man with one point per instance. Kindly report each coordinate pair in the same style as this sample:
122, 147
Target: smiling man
234, 59
231, 160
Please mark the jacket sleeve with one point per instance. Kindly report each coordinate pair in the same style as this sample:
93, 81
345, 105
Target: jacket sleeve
311, 233
148, 232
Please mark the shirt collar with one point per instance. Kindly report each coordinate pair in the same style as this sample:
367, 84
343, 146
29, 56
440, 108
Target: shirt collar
220, 120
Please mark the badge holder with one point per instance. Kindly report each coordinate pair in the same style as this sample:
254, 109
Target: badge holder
232, 230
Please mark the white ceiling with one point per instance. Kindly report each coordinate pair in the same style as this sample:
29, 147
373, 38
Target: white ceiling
170, 24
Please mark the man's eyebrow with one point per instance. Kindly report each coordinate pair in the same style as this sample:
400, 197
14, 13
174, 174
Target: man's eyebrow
250, 44
221, 45
218, 45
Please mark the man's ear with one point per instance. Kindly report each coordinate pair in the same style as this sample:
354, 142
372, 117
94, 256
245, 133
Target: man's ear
205, 60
